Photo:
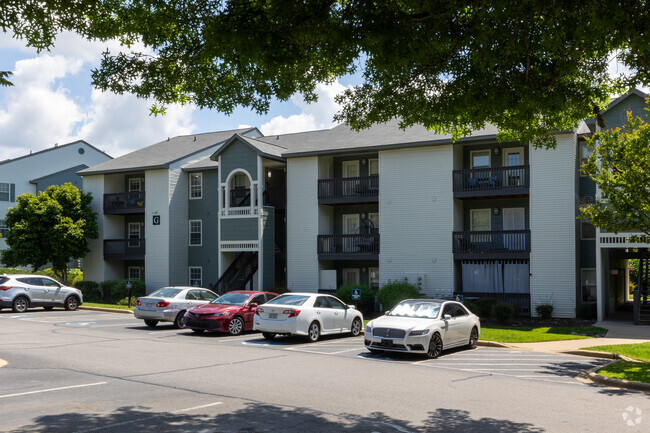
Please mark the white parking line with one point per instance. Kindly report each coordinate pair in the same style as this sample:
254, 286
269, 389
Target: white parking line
52, 389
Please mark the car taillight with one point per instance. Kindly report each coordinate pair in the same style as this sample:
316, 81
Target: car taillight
259, 310
291, 313
162, 304
138, 303
5, 288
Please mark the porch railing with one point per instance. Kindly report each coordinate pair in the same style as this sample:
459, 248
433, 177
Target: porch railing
348, 188
351, 245
503, 241
124, 249
124, 202
492, 181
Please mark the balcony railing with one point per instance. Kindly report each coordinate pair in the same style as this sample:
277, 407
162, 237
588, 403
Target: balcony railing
349, 190
124, 202
497, 181
360, 246
124, 249
504, 244
276, 197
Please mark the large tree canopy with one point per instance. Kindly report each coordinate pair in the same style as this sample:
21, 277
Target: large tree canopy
529, 67
52, 227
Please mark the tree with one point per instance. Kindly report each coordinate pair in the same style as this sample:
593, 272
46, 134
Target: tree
528, 67
620, 166
51, 227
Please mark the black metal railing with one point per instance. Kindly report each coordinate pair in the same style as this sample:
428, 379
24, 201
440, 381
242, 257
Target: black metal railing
356, 244
276, 197
349, 188
126, 202
240, 271
519, 301
495, 180
124, 249
503, 241
240, 197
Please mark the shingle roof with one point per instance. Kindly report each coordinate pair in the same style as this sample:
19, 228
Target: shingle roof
270, 150
162, 154
49, 149
202, 164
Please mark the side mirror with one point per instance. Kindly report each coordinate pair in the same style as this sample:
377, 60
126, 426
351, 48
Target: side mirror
386, 313
447, 317
347, 307
252, 305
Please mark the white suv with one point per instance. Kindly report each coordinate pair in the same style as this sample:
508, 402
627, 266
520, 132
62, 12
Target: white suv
21, 292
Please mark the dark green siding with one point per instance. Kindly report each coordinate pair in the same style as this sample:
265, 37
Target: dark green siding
60, 178
238, 156
206, 210
268, 246
239, 229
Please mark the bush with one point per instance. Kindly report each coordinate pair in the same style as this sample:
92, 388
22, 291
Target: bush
90, 291
484, 307
586, 311
114, 290
395, 291
279, 290
367, 302
471, 306
503, 312
125, 301
545, 311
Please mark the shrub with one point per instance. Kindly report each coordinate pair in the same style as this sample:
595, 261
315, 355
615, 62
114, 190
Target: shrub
484, 307
125, 301
344, 293
586, 311
471, 306
395, 291
114, 290
279, 290
90, 290
503, 312
545, 311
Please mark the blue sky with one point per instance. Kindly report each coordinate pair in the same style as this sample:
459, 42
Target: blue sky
52, 101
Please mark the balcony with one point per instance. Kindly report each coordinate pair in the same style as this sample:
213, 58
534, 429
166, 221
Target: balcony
505, 244
348, 247
123, 203
124, 249
349, 190
492, 182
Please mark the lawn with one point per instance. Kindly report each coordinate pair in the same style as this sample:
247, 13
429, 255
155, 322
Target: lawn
637, 351
627, 370
113, 306
509, 334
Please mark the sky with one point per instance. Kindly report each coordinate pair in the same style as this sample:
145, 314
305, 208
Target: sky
53, 102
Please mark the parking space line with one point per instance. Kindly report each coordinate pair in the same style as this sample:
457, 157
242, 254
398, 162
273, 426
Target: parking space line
52, 389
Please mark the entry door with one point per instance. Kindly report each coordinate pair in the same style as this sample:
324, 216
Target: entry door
514, 218
511, 158
350, 227
350, 170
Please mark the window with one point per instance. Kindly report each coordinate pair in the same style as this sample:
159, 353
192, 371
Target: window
259, 300
134, 235
336, 304
588, 284
3, 229
587, 231
585, 153
195, 232
480, 158
373, 166
208, 295
135, 184
134, 272
480, 220
5, 191
196, 276
350, 276
196, 185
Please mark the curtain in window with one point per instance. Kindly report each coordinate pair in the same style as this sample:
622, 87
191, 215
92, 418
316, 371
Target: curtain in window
516, 278
482, 277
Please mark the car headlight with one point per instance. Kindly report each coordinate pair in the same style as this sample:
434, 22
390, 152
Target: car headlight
419, 332
220, 314
368, 329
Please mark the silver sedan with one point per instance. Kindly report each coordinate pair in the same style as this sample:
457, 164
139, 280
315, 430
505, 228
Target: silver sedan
170, 303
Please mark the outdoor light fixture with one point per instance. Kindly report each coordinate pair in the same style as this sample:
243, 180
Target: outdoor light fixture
364, 270
495, 211
496, 150
268, 174
364, 161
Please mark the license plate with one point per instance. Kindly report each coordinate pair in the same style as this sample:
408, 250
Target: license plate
273, 315
385, 342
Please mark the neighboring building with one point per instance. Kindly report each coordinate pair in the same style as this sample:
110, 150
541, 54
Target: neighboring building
320, 209
33, 173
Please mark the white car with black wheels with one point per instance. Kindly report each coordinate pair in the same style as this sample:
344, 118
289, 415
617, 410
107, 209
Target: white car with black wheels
426, 326
307, 314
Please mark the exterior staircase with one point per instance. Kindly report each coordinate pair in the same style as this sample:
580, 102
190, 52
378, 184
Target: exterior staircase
239, 273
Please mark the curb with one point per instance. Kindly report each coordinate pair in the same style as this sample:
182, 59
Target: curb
592, 354
493, 344
618, 383
106, 310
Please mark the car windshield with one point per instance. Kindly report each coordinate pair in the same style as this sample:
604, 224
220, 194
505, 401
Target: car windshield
165, 292
232, 299
415, 308
289, 300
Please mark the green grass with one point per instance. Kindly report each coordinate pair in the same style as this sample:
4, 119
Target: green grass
627, 370
113, 306
639, 351
509, 334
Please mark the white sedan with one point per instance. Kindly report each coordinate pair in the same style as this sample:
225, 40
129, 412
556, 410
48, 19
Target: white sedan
169, 304
308, 314
423, 326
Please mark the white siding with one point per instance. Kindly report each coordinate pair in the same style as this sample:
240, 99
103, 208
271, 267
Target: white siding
302, 224
552, 226
157, 237
417, 216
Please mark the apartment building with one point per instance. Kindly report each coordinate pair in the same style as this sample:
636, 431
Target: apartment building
36, 171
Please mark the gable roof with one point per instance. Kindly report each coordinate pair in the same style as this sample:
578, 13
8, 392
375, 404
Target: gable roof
202, 164
70, 169
50, 149
591, 122
164, 153
269, 150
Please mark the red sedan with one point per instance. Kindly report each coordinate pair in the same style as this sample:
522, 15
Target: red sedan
233, 312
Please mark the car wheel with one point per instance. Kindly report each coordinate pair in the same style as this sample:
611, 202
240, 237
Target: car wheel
473, 338
151, 323
72, 303
198, 331
376, 351
268, 335
20, 304
356, 327
47, 308
435, 346
313, 333
179, 321
236, 326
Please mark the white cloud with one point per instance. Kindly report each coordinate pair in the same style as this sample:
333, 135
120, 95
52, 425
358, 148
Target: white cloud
318, 115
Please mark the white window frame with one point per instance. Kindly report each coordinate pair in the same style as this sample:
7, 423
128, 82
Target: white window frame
134, 268
353, 163
345, 218
132, 182
194, 188
372, 161
200, 232
8, 192
471, 218
489, 155
200, 279
134, 242
509, 150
